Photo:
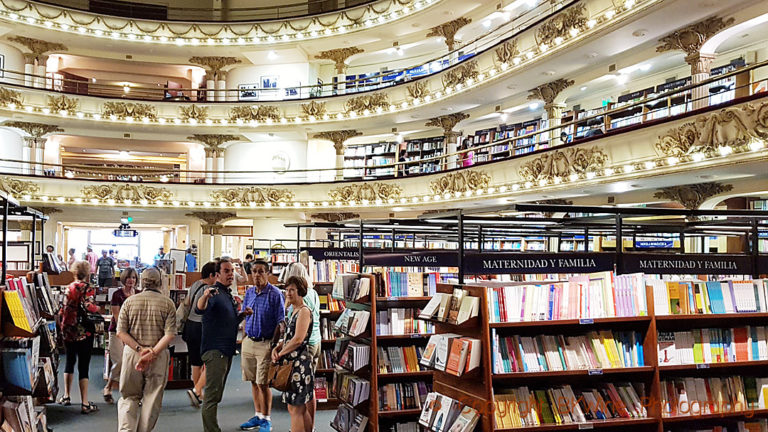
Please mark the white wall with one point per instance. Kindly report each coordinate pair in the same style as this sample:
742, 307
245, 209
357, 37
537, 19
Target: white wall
258, 156
288, 75
11, 145
14, 61
320, 154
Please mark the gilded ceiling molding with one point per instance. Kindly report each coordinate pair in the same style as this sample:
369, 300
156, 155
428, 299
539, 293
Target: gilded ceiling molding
549, 91
38, 47
691, 38
10, 97
213, 65
36, 130
460, 74
253, 194
61, 103
448, 30
556, 165
18, 188
371, 102
122, 110
47, 210
193, 112
339, 56
692, 196
736, 126
418, 89
460, 181
338, 137
258, 113
447, 122
507, 51
559, 27
314, 109
360, 192
334, 217
213, 142
122, 192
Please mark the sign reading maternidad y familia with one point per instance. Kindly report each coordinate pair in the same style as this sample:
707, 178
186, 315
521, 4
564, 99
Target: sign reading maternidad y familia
528, 262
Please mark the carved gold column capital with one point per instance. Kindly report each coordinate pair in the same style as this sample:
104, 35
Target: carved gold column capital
447, 122
700, 63
36, 130
548, 92
214, 65
692, 196
692, 37
339, 56
334, 217
212, 218
448, 30
37, 47
338, 137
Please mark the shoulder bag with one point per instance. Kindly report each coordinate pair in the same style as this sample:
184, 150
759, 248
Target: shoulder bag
185, 307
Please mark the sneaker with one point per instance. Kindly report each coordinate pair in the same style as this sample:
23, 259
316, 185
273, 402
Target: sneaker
194, 399
266, 426
253, 423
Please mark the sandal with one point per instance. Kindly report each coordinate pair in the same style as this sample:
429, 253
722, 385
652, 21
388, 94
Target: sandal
108, 398
64, 401
87, 409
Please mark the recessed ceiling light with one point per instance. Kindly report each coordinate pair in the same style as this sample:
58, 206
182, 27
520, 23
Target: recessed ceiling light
583, 88
640, 33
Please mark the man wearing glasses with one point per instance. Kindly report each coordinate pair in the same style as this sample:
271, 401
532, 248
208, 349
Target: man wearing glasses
268, 307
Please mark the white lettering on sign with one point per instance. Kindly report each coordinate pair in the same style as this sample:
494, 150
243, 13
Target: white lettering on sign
420, 259
655, 264
540, 263
340, 254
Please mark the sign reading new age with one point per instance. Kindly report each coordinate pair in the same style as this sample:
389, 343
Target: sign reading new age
427, 258
687, 264
527, 262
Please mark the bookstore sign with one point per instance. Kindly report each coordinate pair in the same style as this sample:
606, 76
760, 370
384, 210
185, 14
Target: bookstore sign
687, 264
428, 258
498, 263
321, 254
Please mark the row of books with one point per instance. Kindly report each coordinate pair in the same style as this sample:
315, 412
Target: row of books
351, 287
712, 297
596, 295
452, 353
401, 321
19, 296
322, 389
697, 396
20, 414
326, 271
330, 304
350, 388
520, 407
595, 350
440, 413
351, 355
327, 331
19, 358
399, 359
454, 308
407, 284
403, 396
352, 322
713, 345
327, 360
349, 419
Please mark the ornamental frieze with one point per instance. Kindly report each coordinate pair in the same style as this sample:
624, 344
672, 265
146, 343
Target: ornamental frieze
314, 109
253, 194
257, 113
10, 97
460, 74
365, 192
334, 217
560, 26
370, 102
417, 90
61, 103
728, 127
122, 110
507, 51
693, 196
122, 192
460, 181
193, 112
18, 188
560, 164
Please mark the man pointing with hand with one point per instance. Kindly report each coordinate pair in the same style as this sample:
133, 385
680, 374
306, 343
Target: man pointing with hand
220, 322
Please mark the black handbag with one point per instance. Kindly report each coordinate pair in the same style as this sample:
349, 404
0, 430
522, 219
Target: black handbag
91, 322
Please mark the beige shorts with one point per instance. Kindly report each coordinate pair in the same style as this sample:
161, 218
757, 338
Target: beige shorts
314, 351
255, 360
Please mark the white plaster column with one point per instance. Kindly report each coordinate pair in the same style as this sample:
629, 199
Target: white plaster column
701, 65
209, 166
221, 85
205, 249
40, 71
219, 167
210, 87
554, 118
341, 87
218, 245
193, 93
339, 146
29, 69
28, 155
451, 146
39, 150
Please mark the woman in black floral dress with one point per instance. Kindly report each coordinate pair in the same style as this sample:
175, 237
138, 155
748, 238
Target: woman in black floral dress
293, 348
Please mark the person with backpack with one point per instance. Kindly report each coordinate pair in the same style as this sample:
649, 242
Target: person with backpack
191, 328
105, 267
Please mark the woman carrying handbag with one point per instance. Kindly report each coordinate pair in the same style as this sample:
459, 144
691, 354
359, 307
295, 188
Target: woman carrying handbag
293, 352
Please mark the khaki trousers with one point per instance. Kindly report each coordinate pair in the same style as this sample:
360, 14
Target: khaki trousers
115, 356
145, 387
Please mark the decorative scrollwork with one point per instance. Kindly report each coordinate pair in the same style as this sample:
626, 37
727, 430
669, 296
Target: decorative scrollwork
447, 122
212, 220
335, 217
448, 30
253, 194
562, 163
730, 126
460, 181
339, 56
507, 51
314, 109
193, 112
559, 27
18, 188
122, 192
365, 192
338, 137
370, 102
36, 130
61, 103
692, 196
213, 65
121, 110
460, 74
691, 38
418, 89
36, 46
255, 112
8, 97
549, 91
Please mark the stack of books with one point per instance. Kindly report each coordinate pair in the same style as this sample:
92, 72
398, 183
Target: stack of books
19, 414
521, 407
443, 414
348, 419
713, 297
698, 396
454, 309
44, 296
399, 359
20, 298
350, 388
401, 321
597, 295
403, 396
595, 350
713, 345
452, 353
352, 322
407, 284
351, 287
352, 355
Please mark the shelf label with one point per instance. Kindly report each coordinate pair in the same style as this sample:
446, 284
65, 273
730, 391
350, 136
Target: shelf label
392, 298
595, 372
702, 366
586, 426
586, 321
415, 335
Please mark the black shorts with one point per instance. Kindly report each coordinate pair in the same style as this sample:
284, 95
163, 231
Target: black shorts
193, 335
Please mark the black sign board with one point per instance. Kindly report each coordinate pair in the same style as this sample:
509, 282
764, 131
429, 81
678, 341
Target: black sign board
421, 258
524, 262
635, 95
321, 254
672, 85
721, 264
730, 67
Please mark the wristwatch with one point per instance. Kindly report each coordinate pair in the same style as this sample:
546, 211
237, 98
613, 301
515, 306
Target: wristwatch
138, 348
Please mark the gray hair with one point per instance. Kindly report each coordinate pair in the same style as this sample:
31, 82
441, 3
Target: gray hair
298, 270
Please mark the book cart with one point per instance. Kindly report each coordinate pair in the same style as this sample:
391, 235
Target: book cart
636, 330
28, 345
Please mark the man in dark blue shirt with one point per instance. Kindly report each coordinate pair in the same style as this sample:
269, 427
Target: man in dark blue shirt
220, 322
